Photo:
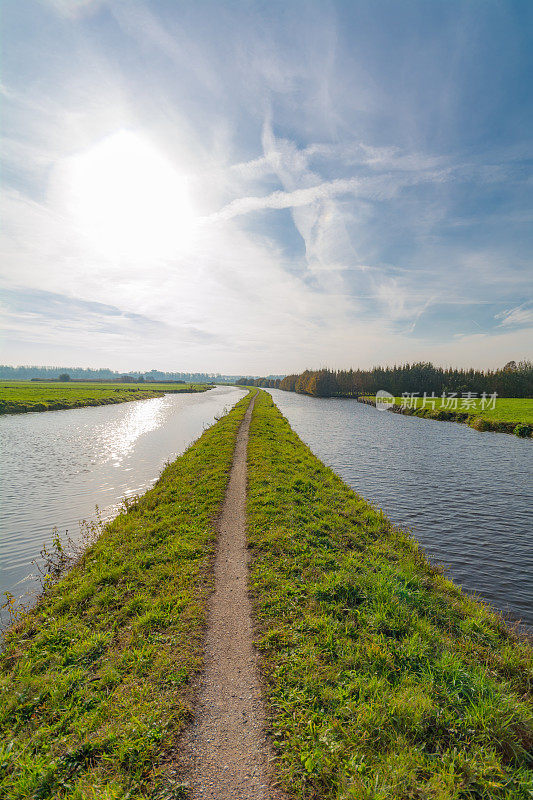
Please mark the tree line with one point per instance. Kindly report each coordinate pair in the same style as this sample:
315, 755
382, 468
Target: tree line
265, 383
512, 380
9, 373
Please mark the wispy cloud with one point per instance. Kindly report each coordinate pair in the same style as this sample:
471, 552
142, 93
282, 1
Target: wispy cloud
299, 197
520, 316
350, 203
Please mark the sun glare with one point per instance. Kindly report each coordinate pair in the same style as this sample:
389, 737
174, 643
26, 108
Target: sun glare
128, 199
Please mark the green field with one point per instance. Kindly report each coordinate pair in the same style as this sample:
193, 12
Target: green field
21, 396
382, 680
508, 409
94, 681
385, 682
508, 414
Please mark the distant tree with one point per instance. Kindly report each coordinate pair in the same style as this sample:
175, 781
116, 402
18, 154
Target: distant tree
288, 383
64, 376
513, 380
323, 384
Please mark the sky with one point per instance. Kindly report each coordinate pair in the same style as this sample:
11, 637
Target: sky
259, 187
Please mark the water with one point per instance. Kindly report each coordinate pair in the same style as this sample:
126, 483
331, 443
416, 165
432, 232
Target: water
57, 465
463, 495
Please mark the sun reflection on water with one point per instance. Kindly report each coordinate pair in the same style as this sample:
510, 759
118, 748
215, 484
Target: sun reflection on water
57, 466
118, 440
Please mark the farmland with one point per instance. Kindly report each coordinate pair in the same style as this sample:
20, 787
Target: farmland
23, 396
506, 409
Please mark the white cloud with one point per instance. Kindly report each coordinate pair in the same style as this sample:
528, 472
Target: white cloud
520, 315
294, 199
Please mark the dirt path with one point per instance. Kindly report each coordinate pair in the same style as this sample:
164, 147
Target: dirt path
226, 753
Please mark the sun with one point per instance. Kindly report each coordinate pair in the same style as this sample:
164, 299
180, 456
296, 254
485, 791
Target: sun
128, 199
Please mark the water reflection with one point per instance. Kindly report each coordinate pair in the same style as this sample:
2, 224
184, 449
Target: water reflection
58, 465
119, 439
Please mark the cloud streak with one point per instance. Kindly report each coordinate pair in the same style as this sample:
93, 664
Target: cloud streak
515, 317
294, 199
397, 225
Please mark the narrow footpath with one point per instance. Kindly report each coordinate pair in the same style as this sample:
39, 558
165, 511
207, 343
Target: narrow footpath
227, 755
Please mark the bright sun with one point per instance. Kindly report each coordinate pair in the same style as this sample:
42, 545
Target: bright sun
128, 200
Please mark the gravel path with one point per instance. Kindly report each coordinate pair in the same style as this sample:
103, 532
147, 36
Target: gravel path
227, 756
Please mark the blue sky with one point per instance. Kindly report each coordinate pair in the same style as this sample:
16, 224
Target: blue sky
263, 187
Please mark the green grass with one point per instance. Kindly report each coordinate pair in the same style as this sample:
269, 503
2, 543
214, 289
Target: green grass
508, 413
383, 679
94, 681
22, 396
510, 409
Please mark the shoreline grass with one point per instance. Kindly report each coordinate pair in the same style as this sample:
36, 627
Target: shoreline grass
383, 679
510, 415
95, 679
20, 397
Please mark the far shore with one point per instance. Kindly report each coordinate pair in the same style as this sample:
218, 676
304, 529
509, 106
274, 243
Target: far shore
21, 397
520, 410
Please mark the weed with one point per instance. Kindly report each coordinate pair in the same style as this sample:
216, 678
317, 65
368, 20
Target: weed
523, 431
14, 607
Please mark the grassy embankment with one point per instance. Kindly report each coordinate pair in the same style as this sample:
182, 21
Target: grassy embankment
510, 415
20, 396
384, 680
94, 680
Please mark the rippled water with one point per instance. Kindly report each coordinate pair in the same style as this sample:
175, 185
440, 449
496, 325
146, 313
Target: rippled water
464, 495
57, 465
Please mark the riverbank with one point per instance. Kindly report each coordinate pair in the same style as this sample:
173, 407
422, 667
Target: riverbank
96, 679
382, 679
19, 397
509, 415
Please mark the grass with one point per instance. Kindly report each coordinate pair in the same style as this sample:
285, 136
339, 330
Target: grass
94, 681
510, 415
383, 679
21, 396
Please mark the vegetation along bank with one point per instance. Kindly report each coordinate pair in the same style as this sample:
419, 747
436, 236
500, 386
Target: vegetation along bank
21, 396
512, 386
507, 415
94, 681
382, 680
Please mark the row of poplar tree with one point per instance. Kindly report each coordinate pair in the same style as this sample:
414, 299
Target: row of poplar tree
512, 380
